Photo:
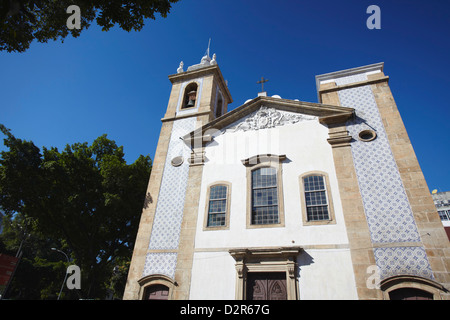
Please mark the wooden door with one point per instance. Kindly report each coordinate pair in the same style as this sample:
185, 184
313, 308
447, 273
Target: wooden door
266, 286
156, 292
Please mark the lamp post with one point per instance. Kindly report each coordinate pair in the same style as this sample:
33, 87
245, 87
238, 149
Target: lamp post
65, 277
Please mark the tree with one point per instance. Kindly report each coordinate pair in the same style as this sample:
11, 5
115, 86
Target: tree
40, 271
86, 200
22, 21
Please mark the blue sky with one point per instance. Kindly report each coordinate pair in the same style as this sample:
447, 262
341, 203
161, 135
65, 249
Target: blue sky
116, 82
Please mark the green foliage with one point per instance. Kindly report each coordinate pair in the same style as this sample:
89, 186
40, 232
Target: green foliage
85, 200
22, 21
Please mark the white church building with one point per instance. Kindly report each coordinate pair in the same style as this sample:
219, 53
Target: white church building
283, 199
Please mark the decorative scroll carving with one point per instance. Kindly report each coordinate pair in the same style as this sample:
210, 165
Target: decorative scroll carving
266, 118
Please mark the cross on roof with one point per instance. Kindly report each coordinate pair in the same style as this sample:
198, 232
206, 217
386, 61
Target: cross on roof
262, 81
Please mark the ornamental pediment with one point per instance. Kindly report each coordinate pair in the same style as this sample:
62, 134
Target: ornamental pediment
268, 112
266, 118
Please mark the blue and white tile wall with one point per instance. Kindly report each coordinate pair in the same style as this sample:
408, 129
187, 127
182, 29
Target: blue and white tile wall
160, 263
388, 211
169, 208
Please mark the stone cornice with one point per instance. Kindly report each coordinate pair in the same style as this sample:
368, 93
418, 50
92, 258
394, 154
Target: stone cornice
269, 252
354, 85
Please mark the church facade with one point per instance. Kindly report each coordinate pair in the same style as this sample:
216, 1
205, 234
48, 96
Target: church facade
285, 199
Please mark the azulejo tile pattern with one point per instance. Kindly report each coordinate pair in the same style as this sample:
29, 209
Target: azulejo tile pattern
169, 208
160, 263
388, 211
403, 260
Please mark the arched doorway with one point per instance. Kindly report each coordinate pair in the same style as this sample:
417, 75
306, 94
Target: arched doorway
156, 292
156, 287
409, 287
410, 294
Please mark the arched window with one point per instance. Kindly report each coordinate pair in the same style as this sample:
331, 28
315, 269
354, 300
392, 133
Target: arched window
317, 205
218, 206
190, 95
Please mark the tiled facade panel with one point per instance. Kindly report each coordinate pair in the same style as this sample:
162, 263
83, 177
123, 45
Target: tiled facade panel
402, 260
160, 263
166, 228
388, 211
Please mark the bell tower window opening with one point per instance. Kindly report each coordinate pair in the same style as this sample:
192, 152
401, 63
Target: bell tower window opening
219, 106
190, 96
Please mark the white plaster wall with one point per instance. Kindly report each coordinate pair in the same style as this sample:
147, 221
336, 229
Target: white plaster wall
306, 147
324, 274
213, 276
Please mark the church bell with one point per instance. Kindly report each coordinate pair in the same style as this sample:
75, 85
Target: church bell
191, 103
191, 95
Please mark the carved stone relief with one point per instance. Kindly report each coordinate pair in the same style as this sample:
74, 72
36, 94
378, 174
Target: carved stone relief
266, 118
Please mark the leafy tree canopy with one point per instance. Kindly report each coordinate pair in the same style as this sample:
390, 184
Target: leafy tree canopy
85, 200
22, 21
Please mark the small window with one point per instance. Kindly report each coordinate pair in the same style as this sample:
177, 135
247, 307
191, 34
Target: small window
264, 196
367, 135
317, 206
217, 212
219, 106
316, 198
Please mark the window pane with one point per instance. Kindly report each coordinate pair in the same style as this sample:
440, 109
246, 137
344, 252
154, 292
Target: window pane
216, 219
316, 198
264, 177
218, 192
314, 183
217, 206
317, 213
265, 215
265, 197
443, 215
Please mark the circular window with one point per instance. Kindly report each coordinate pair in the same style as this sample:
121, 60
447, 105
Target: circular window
367, 135
177, 161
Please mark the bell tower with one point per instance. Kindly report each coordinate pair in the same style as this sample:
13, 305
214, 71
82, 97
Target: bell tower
162, 254
200, 91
